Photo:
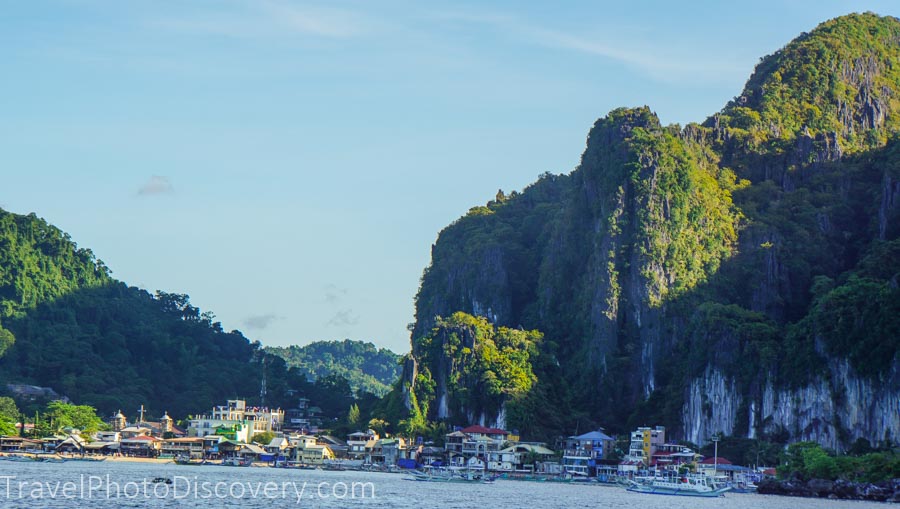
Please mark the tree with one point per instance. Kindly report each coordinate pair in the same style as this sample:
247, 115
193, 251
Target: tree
6, 340
378, 425
353, 415
263, 438
64, 415
9, 415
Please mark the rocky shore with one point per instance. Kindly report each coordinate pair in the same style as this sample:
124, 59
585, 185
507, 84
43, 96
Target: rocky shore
887, 491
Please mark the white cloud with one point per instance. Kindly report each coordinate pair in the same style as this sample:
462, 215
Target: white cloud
666, 63
156, 185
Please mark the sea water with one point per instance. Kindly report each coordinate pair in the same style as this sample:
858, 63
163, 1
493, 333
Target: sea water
123, 484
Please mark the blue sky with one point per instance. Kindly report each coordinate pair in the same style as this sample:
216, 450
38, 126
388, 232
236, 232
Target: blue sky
289, 164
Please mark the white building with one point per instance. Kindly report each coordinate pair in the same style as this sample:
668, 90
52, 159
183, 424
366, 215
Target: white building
237, 421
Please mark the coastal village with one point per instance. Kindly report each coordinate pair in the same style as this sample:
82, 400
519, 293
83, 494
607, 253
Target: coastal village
229, 435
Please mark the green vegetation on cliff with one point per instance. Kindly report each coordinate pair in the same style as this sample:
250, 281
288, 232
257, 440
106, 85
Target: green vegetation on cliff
760, 245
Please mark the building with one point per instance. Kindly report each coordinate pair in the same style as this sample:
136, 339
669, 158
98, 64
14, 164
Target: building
236, 421
308, 451
191, 447
672, 456
144, 446
117, 422
644, 443
301, 418
518, 457
337, 446
356, 443
474, 442
386, 451
583, 453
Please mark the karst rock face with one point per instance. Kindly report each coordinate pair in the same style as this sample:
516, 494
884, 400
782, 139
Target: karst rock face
737, 276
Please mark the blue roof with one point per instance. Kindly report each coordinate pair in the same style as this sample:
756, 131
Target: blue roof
594, 435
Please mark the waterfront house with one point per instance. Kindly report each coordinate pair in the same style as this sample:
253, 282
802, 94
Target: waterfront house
644, 443
386, 451
144, 446
430, 455
337, 446
721, 467
277, 445
672, 456
356, 443
101, 448
19, 444
584, 452
521, 456
108, 436
307, 450
191, 447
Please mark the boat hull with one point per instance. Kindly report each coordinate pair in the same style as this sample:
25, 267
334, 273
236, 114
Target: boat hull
657, 490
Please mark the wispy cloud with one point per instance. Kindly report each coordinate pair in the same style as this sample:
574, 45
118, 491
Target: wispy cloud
265, 18
663, 62
343, 318
156, 185
259, 322
334, 293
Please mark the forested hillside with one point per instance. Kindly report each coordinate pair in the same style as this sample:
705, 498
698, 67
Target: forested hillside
366, 367
68, 325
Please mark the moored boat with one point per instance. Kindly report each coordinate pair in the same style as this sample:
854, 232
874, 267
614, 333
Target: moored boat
687, 485
450, 475
237, 462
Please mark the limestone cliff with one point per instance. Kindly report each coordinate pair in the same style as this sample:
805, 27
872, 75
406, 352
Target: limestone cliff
735, 276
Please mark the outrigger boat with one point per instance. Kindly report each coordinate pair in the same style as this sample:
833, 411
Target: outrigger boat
686, 485
237, 462
450, 475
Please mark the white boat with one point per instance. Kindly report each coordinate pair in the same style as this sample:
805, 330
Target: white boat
450, 475
237, 462
686, 485
16, 457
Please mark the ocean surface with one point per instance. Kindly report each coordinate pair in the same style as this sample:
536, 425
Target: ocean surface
122, 484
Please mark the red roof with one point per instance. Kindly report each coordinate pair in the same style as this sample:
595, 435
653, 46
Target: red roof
711, 461
484, 431
144, 438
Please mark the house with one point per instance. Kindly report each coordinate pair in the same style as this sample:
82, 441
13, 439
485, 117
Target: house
337, 446
108, 436
672, 456
144, 446
474, 441
135, 431
356, 443
720, 466
386, 451
277, 445
453, 442
299, 418
521, 456
102, 448
584, 452
72, 444
307, 450
644, 443
430, 455
19, 444
191, 447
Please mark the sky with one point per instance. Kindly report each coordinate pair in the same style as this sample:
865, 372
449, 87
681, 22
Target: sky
290, 164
